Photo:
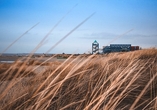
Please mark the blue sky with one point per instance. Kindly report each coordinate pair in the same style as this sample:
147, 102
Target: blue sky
113, 18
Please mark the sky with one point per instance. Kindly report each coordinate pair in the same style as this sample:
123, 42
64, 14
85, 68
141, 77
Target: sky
128, 21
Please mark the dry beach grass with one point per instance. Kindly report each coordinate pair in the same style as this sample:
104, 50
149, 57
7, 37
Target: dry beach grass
113, 81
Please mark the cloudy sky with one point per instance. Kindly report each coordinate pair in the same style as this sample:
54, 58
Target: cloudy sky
128, 21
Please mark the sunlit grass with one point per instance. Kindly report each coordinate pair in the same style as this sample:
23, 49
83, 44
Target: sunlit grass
113, 81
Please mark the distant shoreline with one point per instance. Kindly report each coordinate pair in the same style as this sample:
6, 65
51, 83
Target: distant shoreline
12, 59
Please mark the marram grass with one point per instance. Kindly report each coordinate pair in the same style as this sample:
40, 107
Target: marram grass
114, 81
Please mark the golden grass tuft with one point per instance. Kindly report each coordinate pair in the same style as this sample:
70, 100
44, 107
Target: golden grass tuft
114, 81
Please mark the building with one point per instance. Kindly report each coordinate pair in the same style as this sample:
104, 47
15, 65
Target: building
95, 47
119, 48
113, 48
